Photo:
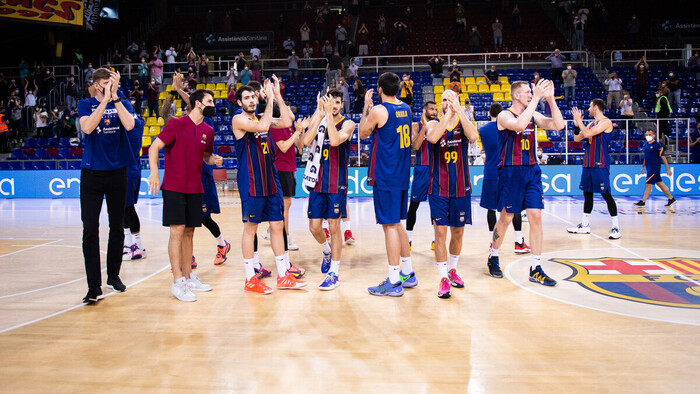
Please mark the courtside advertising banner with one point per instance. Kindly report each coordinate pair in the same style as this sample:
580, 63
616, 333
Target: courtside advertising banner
67, 12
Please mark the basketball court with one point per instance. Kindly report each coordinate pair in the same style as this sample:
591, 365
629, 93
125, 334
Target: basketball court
624, 315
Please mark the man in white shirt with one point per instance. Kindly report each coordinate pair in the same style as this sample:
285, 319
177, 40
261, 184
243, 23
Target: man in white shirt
341, 36
614, 85
255, 51
352, 70
170, 55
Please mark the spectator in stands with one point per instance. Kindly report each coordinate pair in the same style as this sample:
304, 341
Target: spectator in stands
551, 47
210, 21
326, 9
569, 76
23, 69
4, 87
614, 85
231, 75
136, 95
694, 63
288, 44
4, 133
557, 60
192, 59
152, 91
305, 33
627, 106
436, 63
156, 69
695, 145
633, 30
335, 66
497, 28
492, 76
319, 26
256, 68
341, 38
384, 50
246, 75
327, 50
352, 71
642, 69
41, 119
474, 40
400, 28
455, 70
351, 51
406, 89
78, 57
72, 93
455, 85
516, 18
255, 51
293, 66
170, 56
15, 109
468, 109
231, 95
460, 21
674, 85
30, 94
204, 68
344, 88
281, 27
663, 111
579, 24
363, 41
307, 55
429, 9
381, 24
143, 70
67, 126
143, 52
191, 79
241, 62
541, 105
542, 158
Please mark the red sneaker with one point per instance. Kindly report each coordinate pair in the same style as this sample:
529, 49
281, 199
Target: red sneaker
254, 285
221, 254
289, 282
349, 239
522, 248
327, 232
298, 272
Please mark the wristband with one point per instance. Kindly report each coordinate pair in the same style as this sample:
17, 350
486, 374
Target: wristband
116, 101
173, 93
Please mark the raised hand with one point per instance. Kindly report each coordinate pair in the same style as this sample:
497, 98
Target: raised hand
305, 123
276, 86
269, 89
328, 104
539, 89
368, 101
177, 81
319, 102
115, 85
107, 94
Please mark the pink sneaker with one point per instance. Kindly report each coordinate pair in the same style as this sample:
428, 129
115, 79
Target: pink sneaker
194, 263
262, 273
455, 280
444, 291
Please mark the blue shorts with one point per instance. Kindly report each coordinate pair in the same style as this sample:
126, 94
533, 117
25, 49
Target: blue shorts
421, 181
489, 194
390, 206
327, 205
133, 184
520, 187
595, 180
263, 209
453, 212
653, 178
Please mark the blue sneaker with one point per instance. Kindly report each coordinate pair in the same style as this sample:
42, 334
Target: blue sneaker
494, 267
538, 276
331, 282
408, 280
387, 288
326, 262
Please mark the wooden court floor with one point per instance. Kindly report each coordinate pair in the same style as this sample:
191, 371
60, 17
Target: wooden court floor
495, 335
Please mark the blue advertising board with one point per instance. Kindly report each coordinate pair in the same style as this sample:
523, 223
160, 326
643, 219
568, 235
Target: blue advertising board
557, 180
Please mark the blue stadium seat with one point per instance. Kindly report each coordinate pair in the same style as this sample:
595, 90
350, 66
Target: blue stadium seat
62, 165
75, 164
15, 165
4, 165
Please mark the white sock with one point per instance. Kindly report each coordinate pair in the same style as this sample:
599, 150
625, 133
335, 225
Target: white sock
326, 247
615, 222
584, 219
410, 234
335, 266
493, 252
256, 260
346, 226
220, 240
536, 260
442, 268
286, 260
324, 224
406, 266
136, 238
491, 235
453, 259
281, 265
519, 237
249, 268
127, 237
394, 273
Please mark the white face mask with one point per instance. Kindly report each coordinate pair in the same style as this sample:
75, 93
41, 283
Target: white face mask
568, 67
539, 153
658, 95
649, 138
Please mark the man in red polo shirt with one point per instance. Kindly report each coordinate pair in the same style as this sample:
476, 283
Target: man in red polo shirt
188, 142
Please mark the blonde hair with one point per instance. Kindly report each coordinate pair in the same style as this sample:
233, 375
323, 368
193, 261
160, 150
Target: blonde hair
516, 85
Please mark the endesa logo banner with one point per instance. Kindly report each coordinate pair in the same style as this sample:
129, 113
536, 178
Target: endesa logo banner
557, 180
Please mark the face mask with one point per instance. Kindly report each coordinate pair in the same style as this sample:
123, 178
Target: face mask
641, 66
658, 95
670, 74
649, 138
539, 153
568, 67
454, 63
209, 111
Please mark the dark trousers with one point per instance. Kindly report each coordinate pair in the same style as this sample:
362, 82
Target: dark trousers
556, 75
94, 186
153, 109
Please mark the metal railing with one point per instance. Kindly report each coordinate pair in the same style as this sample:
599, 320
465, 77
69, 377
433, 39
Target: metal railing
660, 56
483, 60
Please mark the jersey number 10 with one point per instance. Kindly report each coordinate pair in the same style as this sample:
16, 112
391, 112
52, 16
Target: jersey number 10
525, 144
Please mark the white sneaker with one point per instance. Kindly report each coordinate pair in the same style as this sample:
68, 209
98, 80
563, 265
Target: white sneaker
138, 253
291, 245
127, 253
580, 229
615, 233
266, 234
523, 215
182, 291
195, 284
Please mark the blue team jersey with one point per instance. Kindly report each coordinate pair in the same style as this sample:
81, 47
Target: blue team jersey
449, 164
517, 146
333, 175
489, 140
597, 150
107, 147
652, 157
390, 161
257, 175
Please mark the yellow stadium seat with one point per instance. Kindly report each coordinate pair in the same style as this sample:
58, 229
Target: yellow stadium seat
220, 86
507, 96
498, 97
210, 86
505, 87
495, 88
542, 135
217, 94
238, 85
463, 96
154, 130
472, 89
145, 141
438, 89
178, 113
445, 81
481, 80
483, 88
160, 122
201, 86
150, 121
162, 95
503, 79
438, 98
169, 88
469, 80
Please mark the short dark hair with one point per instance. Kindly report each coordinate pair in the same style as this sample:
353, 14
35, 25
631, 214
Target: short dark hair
427, 103
495, 109
101, 73
599, 103
335, 93
389, 82
198, 95
243, 88
257, 86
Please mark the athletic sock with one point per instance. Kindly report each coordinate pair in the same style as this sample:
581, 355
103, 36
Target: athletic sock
326, 247
249, 268
286, 260
136, 238
519, 237
256, 261
406, 265
410, 234
335, 266
281, 265
536, 261
584, 219
127, 237
491, 235
220, 240
324, 224
442, 268
346, 225
394, 276
453, 259
493, 252
615, 223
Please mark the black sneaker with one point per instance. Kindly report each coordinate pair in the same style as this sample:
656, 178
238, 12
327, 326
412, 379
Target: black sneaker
92, 295
494, 267
538, 276
116, 284
639, 203
671, 201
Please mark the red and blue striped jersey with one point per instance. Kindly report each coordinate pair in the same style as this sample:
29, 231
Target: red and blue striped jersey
257, 176
390, 162
333, 175
597, 150
449, 164
423, 153
517, 146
